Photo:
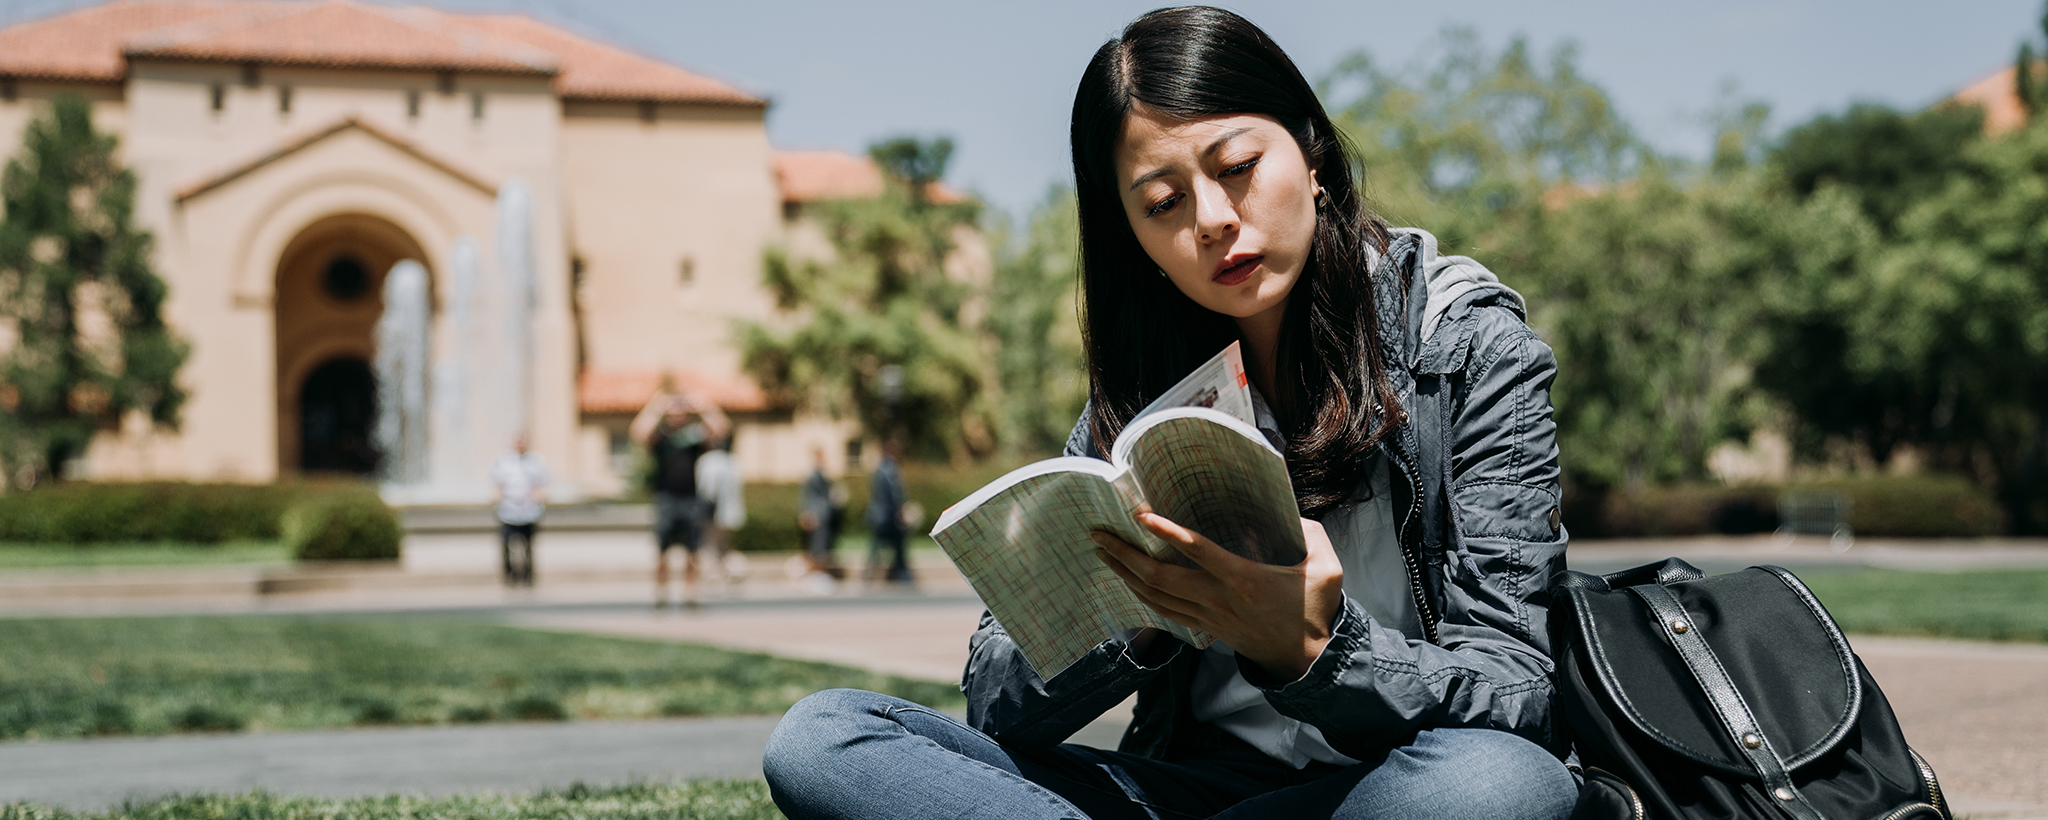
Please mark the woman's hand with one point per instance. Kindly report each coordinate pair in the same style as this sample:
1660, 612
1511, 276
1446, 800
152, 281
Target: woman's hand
1278, 617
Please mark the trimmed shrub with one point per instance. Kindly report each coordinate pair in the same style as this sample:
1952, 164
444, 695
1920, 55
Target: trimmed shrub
772, 508
1923, 506
471, 714
200, 717
91, 512
537, 707
342, 526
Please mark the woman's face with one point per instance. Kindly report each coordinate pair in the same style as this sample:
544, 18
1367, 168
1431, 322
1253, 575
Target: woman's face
1225, 205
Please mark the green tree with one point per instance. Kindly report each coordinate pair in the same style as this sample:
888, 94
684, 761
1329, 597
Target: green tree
77, 293
1952, 319
1037, 332
1469, 148
882, 307
2027, 80
1886, 160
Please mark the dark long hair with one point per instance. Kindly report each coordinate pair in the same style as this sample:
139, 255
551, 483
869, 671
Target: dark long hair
1142, 334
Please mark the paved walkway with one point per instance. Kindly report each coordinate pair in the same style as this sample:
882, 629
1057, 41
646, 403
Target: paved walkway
1979, 712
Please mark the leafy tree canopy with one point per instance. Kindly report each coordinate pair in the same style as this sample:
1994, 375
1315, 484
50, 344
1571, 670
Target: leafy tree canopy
879, 327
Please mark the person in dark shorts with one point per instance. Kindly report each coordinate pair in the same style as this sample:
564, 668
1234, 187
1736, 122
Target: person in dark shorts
519, 487
677, 430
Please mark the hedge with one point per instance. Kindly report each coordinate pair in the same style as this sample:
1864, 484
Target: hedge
772, 508
89, 512
84, 513
1922, 506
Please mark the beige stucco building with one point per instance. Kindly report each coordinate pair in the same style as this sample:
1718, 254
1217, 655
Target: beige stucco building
290, 153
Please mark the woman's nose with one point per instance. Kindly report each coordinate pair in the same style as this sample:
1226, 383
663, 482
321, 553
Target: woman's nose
1215, 215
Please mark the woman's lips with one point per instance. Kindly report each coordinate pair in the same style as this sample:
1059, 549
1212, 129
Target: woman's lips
1236, 269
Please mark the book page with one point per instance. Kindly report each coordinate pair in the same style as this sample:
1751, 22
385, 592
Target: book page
1027, 552
1219, 384
1217, 476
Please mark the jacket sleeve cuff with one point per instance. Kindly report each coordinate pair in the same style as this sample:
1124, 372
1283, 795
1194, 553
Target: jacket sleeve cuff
1348, 635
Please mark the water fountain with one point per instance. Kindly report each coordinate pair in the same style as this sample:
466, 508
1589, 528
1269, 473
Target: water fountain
518, 295
438, 448
402, 374
456, 464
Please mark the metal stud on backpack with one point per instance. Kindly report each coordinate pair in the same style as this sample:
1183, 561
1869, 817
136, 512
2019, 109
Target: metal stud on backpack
1727, 697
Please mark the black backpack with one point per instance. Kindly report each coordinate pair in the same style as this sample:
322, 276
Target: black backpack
1723, 697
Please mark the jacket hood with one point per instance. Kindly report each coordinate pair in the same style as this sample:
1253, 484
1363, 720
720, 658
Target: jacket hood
1441, 289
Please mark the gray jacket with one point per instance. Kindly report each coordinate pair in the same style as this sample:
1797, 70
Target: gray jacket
1475, 385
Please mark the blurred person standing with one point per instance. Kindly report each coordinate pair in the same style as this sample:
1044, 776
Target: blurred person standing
519, 491
676, 431
818, 516
718, 487
886, 499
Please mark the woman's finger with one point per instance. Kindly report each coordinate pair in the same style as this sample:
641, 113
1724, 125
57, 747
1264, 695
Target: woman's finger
1205, 553
1154, 596
1152, 571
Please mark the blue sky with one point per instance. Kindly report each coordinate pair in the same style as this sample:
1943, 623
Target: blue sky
998, 77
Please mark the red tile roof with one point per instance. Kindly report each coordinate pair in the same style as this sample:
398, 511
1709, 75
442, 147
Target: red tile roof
822, 176
92, 43
339, 34
602, 392
818, 176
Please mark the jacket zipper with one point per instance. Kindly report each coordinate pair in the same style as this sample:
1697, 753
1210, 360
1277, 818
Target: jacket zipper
1927, 777
1423, 610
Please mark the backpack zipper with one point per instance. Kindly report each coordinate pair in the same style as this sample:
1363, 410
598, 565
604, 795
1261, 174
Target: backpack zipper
1909, 809
1635, 801
1927, 777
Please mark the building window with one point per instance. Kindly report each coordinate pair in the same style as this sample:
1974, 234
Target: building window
251, 75
7, 89
445, 81
412, 104
346, 280
284, 99
219, 95
476, 105
648, 110
686, 271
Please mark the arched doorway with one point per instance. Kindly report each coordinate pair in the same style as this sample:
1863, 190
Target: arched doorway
338, 418
329, 296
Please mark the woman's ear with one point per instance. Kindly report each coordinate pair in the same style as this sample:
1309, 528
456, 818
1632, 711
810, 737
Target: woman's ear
1315, 185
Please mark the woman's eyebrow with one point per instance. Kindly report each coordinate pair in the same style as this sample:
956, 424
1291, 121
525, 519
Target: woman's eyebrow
1215, 146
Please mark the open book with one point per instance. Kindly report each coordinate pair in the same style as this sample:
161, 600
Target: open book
1193, 456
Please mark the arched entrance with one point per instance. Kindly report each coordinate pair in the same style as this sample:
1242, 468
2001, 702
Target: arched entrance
330, 286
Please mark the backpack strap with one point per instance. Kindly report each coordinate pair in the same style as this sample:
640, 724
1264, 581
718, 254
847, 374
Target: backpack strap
1679, 629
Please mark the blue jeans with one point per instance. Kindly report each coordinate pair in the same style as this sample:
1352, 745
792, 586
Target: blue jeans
845, 753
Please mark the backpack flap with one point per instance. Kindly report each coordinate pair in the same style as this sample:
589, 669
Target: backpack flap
1782, 653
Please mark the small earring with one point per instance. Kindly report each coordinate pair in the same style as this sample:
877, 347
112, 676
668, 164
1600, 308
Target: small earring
1319, 193
1162, 274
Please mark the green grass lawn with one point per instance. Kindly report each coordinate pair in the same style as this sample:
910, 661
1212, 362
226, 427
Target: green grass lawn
1997, 605
140, 554
695, 800
71, 677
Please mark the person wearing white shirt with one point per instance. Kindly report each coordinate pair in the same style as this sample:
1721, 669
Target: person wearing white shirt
718, 488
519, 481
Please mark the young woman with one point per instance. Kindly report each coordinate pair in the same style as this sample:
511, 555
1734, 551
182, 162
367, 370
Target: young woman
1402, 669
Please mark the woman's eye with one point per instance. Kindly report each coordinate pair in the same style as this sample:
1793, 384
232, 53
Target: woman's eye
1164, 205
1239, 168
